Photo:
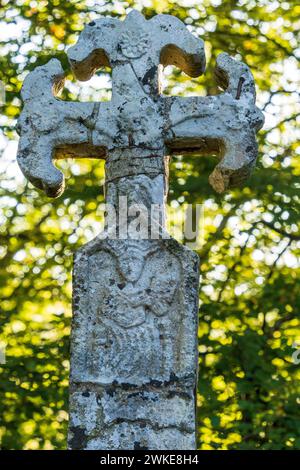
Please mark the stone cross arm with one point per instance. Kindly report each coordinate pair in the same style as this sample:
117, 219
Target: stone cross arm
138, 118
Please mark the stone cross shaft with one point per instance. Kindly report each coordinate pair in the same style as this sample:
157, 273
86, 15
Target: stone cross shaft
134, 335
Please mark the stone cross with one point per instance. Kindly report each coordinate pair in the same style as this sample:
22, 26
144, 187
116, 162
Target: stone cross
135, 301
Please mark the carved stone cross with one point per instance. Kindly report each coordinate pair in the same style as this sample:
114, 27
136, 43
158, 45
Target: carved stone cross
134, 335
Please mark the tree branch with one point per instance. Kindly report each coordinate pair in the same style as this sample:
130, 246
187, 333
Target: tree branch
291, 236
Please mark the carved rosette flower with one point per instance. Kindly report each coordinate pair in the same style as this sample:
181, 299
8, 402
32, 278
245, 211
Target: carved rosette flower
134, 44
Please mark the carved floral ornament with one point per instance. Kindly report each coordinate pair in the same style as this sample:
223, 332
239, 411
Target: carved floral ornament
134, 43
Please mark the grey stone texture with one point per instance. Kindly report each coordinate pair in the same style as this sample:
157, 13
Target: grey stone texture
134, 345
134, 334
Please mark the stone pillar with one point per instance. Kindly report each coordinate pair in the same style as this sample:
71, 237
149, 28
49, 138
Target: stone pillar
134, 332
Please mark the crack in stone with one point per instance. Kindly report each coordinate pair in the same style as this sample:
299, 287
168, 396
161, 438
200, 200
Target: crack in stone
152, 386
151, 175
143, 422
93, 122
239, 88
138, 80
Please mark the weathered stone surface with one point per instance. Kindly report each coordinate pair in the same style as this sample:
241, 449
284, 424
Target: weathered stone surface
134, 345
134, 334
138, 44
45, 124
225, 125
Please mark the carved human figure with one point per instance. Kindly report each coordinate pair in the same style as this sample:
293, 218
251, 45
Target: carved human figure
126, 305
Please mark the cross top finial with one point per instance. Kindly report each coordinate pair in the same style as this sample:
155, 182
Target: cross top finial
145, 44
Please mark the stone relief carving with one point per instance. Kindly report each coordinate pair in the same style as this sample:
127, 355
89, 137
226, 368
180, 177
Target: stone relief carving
134, 303
134, 345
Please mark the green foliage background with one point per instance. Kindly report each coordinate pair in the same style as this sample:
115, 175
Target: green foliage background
249, 393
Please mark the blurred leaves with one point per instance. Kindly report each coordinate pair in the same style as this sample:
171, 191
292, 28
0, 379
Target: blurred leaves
249, 391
